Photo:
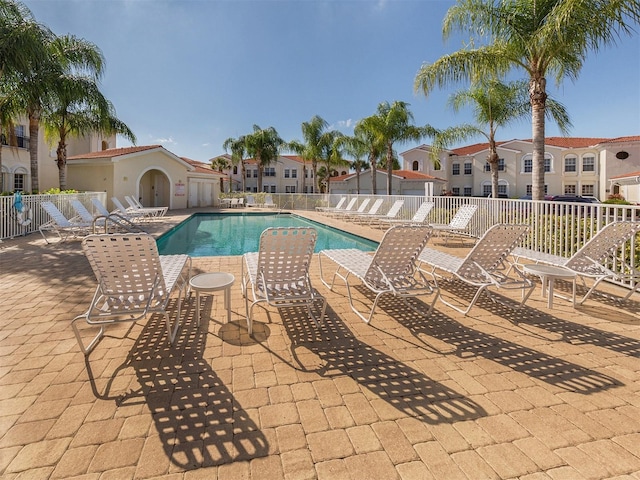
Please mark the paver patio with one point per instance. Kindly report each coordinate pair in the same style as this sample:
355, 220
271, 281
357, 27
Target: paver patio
531, 393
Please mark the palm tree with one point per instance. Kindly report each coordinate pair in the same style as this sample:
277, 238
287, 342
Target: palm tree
78, 108
540, 37
395, 126
495, 104
22, 48
356, 149
358, 165
366, 138
331, 152
314, 135
36, 90
238, 148
220, 164
264, 146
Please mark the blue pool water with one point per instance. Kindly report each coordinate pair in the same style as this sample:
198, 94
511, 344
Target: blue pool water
222, 234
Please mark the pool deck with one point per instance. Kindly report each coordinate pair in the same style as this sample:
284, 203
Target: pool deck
501, 393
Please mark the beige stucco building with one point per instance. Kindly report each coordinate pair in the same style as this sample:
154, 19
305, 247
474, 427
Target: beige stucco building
151, 173
573, 166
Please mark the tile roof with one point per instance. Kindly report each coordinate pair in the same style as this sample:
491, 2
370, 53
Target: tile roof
201, 167
631, 174
116, 152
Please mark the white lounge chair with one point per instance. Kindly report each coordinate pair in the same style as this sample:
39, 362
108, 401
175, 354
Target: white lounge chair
364, 216
268, 202
251, 201
278, 273
133, 282
336, 211
63, 226
418, 218
592, 259
484, 266
124, 223
460, 221
392, 269
348, 213
392, 213
87, 216
135, 205
338, 206
130, 213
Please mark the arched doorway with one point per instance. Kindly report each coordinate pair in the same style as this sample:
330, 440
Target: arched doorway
154, 189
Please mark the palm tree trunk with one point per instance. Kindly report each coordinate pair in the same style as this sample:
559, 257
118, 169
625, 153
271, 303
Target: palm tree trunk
61, 154
243, 168
34, 128
374, 174
358, 182
538, 95
493, 165
314, 167
389, 168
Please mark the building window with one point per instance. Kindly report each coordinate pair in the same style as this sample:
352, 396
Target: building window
570, 189
269, 172
588, 163
486, 190
455, 169
290, 189
255, 173
487, 165
467, 168
294, 173
18, 182
415, 166
530, 189
248, 173
527, 163
456, 191
467, 191
570, 164
588, 190
287, 173
235, 169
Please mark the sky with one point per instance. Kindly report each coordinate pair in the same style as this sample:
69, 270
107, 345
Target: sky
189, 74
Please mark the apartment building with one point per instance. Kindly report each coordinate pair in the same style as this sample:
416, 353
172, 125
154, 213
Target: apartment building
288, 174
573, 166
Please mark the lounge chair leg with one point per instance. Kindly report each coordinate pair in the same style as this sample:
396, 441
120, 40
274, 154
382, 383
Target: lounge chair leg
88, 348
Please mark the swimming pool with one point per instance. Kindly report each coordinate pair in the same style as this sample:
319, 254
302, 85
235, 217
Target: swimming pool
221, 234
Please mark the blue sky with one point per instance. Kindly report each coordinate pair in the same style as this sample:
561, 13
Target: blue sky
189, 74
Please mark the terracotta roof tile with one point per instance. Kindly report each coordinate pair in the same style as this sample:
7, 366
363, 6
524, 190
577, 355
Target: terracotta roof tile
631, 174
115, 152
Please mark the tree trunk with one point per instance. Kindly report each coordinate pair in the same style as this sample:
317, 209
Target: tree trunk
538, 96
358, 182
374, 174
243, 169
260, 171
61, 154
314, 183
492, 159
389, 168
34, 128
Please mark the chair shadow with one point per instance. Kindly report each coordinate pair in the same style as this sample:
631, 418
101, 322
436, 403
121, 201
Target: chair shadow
333, 350
572, 332
198, 420
469, 342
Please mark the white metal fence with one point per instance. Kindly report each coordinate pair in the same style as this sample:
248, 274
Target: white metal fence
559, 228
12, 224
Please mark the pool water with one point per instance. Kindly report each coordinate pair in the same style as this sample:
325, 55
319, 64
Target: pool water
222, 234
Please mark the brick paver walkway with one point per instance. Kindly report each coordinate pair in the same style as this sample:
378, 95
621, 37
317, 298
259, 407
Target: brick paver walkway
532, 394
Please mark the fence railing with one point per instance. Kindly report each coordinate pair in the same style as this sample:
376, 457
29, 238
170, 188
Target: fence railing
13, 225
559, 228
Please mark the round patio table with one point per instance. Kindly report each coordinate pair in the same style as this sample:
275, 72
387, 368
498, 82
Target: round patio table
548, 274
209, 283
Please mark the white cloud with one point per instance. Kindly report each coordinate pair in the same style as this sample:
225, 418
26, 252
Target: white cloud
346, 124
164, 141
